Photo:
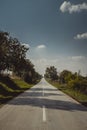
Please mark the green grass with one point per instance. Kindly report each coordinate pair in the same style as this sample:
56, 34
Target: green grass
77, 95
22, 84
9, 88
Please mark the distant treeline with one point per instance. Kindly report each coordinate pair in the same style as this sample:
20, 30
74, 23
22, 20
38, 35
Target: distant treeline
13, 58
71, 80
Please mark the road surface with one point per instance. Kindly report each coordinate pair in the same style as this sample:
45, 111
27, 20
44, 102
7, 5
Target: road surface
43, 107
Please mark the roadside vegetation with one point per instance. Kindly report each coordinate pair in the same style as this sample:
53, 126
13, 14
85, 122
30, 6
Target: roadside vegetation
9, 88
17, 73
73, 84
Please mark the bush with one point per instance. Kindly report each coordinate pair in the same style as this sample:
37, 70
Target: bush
79, 85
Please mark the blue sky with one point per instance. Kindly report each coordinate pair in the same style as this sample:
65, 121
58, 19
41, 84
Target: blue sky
56, 31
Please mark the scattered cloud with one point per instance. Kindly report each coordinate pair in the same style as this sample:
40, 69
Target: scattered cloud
72, 8
26, 45
81, 36
41, 46
77, 58
72, 63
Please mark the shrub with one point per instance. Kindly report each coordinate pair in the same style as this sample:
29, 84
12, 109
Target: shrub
79, 85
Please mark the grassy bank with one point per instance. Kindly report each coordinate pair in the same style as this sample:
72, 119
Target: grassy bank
77, 95
9, 88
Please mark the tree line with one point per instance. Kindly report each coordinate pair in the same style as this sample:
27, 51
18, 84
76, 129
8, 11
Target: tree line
71, 80
13, 58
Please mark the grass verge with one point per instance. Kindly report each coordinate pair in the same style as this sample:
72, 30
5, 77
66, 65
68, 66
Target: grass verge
10, 88
77, 95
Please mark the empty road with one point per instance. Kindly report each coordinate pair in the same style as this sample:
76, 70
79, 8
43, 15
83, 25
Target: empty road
43, 107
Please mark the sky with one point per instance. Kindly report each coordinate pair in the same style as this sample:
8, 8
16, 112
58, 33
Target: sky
54, 30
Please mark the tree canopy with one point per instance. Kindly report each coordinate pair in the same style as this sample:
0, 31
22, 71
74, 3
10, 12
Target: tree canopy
13, 57
51, 72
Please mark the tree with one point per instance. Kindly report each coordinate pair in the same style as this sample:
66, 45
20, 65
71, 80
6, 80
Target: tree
65, 76
47, 72
12, 53
28, 72
13, 57
4, 49
17, 55
51, 72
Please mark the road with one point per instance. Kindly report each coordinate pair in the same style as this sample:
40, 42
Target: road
43, 107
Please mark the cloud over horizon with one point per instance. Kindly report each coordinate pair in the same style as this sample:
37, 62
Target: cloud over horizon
41, 46
81, 36
72, 8
72, 63
77, 58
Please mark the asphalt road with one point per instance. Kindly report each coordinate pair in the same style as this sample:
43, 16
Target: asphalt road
43, 107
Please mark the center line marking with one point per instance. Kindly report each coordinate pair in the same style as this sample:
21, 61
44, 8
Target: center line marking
43, 91
44, 114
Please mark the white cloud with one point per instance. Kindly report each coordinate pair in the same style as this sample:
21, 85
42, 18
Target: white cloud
65, 6
26, 45
41, 46
81, 36
73, 63
77, 58
71, 8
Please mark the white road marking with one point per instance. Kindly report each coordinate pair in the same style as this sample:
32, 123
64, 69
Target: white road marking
44, 114
43, 91
44, 109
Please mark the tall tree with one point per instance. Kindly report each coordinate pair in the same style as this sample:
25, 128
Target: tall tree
13, 57
51, 72
17, 54
65, 76
4, 49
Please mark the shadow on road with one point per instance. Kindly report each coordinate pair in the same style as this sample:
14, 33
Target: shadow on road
35, 99
45, 89
38, 94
